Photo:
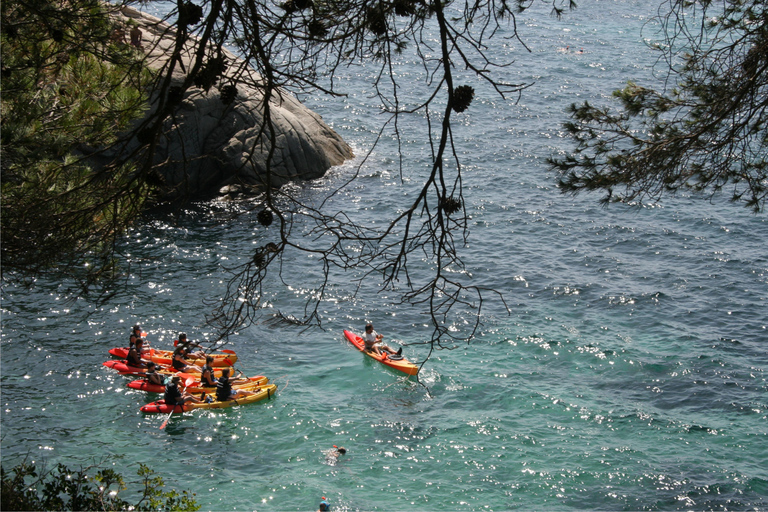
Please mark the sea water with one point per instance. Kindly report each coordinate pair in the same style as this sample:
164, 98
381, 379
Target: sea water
626, 372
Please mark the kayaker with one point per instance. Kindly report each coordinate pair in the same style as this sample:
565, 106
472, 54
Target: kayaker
174, 396
224, 389
186, 346
152, 376
324, 506
134, 355
180, 365
136, 334
206, 376
374, 344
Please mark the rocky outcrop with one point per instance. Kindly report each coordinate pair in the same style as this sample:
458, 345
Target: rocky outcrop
207, 144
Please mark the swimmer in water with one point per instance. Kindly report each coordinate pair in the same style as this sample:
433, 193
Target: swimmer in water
323, 505
333, 455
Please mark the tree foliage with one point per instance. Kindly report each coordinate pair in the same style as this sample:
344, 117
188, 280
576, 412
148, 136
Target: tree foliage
296, 46
26, 487
300, 45
707, 133
66, 86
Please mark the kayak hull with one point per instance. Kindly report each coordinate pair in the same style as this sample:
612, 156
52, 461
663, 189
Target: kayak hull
402, 365
261, 393
166, 357
124, 368
145, 385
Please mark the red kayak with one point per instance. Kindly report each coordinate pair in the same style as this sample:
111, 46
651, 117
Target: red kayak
402, 365
124, 368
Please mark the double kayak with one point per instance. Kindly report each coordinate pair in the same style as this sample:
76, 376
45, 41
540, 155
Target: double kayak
124, 368
402, 365
194, 386
259, 393
226, 358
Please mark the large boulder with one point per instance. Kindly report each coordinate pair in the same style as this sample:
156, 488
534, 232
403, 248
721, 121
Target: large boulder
208, 145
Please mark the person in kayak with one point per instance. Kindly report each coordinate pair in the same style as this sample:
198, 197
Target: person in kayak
187, 347
134, 354
224, 389
206, 376
136, 334
374, 344
180, 365
174, 396
324, 506
152, 376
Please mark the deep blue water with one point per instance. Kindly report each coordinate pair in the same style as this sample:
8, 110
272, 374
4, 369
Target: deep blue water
628, 374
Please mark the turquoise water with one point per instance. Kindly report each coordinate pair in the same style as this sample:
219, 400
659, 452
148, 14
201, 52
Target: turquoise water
629, 373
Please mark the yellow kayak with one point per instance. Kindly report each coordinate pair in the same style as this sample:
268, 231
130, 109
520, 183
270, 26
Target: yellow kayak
257, 394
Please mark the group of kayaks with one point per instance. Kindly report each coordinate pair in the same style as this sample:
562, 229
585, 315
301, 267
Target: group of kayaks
258, 387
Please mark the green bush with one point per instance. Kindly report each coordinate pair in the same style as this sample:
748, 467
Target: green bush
91, 488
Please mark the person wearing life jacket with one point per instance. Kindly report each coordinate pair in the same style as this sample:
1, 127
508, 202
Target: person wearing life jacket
324, 506
136, 334
134, 355
224, 389
180, 365
152, 376
187, 346
174, 396
207, 377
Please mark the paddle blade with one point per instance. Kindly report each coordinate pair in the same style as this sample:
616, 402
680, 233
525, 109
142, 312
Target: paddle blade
168, 418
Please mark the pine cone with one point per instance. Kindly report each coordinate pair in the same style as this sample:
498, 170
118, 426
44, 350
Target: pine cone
189, 14
316, 29
264, 217
462, 97
451, 205
404, 7
228, 93
377, 21
175, 95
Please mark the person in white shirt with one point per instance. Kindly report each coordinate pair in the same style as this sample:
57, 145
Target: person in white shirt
374, 344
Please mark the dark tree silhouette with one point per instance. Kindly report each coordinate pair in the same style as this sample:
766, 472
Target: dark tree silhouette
299, 46
706, 132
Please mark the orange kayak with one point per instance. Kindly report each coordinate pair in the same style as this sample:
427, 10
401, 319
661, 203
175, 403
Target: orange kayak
225, 358
402, 365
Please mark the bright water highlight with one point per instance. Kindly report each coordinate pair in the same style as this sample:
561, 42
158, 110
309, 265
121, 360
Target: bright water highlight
629, 374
